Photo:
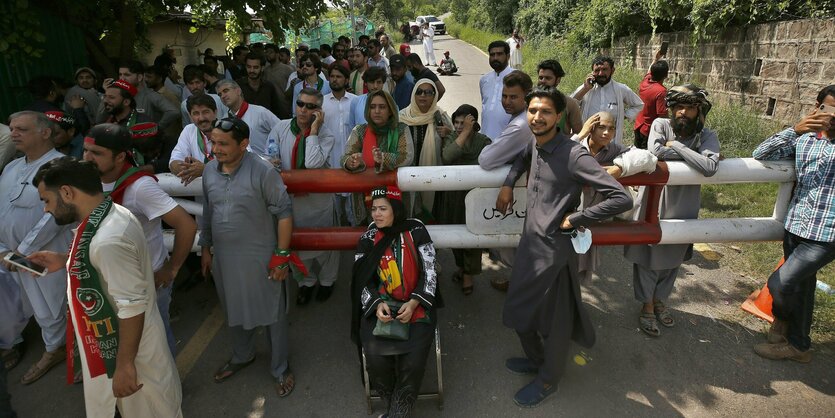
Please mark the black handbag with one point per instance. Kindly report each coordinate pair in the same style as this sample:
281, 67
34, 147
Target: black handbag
394, 329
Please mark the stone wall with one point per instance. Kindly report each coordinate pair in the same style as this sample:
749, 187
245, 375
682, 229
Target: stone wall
776, 69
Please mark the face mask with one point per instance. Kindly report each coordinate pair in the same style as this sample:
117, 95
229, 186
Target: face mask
581, 240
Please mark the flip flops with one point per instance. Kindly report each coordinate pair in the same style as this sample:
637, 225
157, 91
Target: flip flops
229, 369
649, 324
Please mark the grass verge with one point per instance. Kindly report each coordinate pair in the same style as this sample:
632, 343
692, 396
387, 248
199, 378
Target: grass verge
739, 131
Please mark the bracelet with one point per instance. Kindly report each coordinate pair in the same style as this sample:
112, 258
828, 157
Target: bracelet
279, 251
284, 266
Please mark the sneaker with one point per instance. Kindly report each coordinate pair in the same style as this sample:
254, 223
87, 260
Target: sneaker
305, 292
777, 332
782, 351
521, 366
324, 293
533, 394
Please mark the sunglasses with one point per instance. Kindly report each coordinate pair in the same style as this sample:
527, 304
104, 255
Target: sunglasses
229, 124
422, 92
307, 64
309, 106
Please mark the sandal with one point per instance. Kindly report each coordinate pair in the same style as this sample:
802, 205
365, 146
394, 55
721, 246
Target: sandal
229, 369
649, 325
663, 315
12, 356
285, 384
467, 290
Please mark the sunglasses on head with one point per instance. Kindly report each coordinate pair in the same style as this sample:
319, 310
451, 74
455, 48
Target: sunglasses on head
422, 92
228, 124
310, 106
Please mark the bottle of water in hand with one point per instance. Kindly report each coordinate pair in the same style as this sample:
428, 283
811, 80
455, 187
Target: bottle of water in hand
272, 152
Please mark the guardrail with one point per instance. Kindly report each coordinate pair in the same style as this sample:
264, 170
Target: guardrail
446, 178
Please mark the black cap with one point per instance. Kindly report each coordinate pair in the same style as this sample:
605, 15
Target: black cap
397, 59
111, 136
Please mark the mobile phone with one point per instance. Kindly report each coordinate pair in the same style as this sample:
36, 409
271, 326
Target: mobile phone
438, 120
22, 263
826, 108
592, 80
664, 46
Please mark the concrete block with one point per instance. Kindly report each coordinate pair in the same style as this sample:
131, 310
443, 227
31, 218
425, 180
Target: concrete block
786, 50
828, 73
773, 69
799, 29
809, 70
826, 50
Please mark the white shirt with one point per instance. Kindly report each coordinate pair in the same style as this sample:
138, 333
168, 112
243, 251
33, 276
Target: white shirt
615, 98
328, 60
493, 117
382, 63
338, 122
221, 112
428, 35
188, 145
260, 121
148, 203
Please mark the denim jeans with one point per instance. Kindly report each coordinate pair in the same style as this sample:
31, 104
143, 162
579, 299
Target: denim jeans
792, 286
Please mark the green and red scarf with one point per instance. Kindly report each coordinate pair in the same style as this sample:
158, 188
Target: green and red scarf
130, 175
399, 271
95, 319
297, 159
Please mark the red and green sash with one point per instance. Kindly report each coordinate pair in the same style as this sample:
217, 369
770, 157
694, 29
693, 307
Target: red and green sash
95, 319
299, 146
319, 84
399, 271
242, 111
130, 175
203, 145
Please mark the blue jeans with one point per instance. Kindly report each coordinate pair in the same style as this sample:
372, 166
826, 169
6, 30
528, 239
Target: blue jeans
792, 286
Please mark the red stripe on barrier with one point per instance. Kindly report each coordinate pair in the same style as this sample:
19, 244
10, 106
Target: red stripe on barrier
329, 180
336, 238
658, 177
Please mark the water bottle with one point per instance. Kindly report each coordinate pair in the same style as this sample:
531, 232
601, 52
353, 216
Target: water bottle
825, 288
272, 151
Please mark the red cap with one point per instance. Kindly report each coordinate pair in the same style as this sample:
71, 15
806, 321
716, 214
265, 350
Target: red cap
144, 130
124, 85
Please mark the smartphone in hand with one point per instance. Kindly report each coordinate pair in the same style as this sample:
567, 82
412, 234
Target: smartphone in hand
22, 263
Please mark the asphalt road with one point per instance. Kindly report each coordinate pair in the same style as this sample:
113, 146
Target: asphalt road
702, 367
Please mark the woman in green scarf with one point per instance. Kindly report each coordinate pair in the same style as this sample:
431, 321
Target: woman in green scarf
383, 143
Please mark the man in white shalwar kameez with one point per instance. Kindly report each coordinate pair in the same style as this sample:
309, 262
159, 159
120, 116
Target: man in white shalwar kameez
124, 356
303, 143
599, 93
26, 229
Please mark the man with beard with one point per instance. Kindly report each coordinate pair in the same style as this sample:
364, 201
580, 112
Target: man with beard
258, 119
211, 77
682, 138
194, 147
26, 229
544, 304
64, 136
809, 241
245, 240
259, 91
325, 51
113, 315
310, 68
602, 94
339, 55
194, 78
138, 191
148, 103
493, 116
120, 105
337, 107
375, 58
358, 57
85, 89
550, 73
155, 76
303, 144
404, 82
419, 71
386, 49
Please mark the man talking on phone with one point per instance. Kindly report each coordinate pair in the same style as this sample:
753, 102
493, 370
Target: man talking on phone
599, 93
303, 143
26, 228
809, 241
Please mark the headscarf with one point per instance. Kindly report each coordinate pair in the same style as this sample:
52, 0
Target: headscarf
695, 95
465, 110
390, 131
405, 50
430, 153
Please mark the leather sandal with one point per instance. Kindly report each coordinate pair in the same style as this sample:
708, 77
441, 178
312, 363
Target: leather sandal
649, 324
47, 361
229, 369
285, 384
663, 315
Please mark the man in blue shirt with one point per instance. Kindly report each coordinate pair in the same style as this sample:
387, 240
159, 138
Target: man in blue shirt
404, 81
809, 242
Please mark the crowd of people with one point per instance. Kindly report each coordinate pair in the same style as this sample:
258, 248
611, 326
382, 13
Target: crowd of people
79, 196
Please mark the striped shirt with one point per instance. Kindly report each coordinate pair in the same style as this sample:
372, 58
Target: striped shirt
812, 209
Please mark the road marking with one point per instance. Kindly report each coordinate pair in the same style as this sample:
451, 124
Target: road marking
198, 343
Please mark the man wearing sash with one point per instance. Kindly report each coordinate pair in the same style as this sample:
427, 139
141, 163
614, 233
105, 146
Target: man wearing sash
303, 143
25, 229
113, 314
259, 119
120, 104
108, 148
194, 147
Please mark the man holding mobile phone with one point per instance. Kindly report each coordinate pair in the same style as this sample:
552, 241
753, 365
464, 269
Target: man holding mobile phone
809, 241
26, 228
303, 143
602, 94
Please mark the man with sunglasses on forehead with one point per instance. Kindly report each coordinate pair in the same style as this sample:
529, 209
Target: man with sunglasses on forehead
258, 119
303, 143
26, 229
245, 240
